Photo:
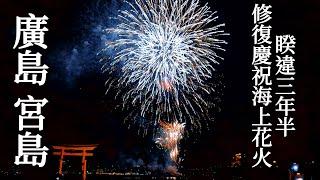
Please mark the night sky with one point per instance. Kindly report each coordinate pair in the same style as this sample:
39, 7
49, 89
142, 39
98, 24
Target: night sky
79, 112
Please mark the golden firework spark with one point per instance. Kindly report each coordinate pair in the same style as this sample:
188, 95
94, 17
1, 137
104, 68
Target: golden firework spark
172, 134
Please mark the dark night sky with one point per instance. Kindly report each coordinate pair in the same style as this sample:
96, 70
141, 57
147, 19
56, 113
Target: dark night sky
78, 112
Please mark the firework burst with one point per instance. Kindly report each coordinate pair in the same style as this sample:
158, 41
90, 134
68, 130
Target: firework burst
172, 133
165, 51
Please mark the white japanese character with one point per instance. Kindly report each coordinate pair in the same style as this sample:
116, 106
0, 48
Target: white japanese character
261, 158
262, 96
30, 68
30, 150
286, 65
262, 136
31, 111
261, 55
262, 75
262, 34
32, 31
285, 125
285, 105
261, 14
285, 43
262, 115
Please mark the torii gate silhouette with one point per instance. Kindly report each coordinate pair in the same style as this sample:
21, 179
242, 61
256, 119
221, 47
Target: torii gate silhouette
74, 150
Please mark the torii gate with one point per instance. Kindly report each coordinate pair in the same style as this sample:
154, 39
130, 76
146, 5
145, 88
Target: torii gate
74, 150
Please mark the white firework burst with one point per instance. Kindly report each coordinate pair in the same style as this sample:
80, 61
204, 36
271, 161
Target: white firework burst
165, 53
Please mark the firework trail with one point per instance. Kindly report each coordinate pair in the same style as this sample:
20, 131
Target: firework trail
165, 51
172, 133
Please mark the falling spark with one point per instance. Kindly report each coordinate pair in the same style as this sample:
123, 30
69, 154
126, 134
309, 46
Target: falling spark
172, 133
165, 51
